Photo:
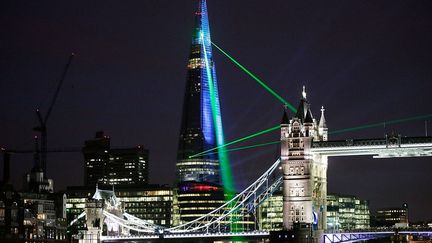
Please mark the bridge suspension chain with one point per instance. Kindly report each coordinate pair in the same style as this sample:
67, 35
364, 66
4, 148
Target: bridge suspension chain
222, 217
131, 224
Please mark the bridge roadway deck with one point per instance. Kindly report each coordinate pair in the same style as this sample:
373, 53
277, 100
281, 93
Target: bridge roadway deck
257, 236
260, 236
378, 148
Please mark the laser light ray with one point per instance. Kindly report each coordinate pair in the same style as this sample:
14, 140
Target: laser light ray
210, 151
227, 178
270, 90
238, 140
379, 124
247, 147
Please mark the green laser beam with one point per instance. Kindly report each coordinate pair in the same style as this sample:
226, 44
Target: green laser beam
390, 122
270, 90
227, 178
246, 147
396, 121
237, 140
333, 132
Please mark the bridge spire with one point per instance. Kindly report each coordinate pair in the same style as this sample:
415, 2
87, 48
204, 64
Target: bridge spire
322, 122
322, 126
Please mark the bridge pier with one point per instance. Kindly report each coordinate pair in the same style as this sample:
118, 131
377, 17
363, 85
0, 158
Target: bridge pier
94, 222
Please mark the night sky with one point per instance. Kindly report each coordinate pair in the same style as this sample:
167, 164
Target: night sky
365, 61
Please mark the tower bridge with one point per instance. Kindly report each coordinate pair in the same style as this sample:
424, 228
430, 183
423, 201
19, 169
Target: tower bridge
304, 153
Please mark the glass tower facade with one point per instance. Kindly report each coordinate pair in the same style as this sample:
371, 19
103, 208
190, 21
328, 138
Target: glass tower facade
201, 126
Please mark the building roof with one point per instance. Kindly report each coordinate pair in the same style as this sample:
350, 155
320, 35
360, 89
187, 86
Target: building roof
308, 118
304, 108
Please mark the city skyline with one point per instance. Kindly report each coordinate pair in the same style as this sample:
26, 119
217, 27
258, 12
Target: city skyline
365, 63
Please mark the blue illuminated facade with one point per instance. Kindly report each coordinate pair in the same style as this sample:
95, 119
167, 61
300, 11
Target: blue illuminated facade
201, 127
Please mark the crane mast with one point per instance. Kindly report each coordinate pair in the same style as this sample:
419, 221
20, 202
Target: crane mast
43, 120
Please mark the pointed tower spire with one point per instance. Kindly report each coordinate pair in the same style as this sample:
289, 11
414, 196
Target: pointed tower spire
304, 108
322, 122
322, 127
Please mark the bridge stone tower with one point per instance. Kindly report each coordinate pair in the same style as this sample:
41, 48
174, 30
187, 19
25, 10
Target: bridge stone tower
304, 175
102, 200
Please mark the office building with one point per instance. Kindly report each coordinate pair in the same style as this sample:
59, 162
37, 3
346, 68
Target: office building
35, 214
151, 202
391, 217
347, 213
343, 213
44, 216
114, 166
270, 215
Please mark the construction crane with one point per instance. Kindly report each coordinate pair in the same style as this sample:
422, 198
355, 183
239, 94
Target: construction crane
43, 120
8, 152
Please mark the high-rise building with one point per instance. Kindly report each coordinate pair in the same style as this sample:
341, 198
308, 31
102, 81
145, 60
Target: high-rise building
120, 166
201, 126
198, 178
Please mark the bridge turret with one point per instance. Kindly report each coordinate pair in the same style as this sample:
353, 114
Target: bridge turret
322, 127
304, 175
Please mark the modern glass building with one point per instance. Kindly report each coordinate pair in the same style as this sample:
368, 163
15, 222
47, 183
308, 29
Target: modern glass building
343, 213
270, 212
347, 213
201, 126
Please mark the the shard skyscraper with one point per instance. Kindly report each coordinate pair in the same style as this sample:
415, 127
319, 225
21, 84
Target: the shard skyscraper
201, 126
